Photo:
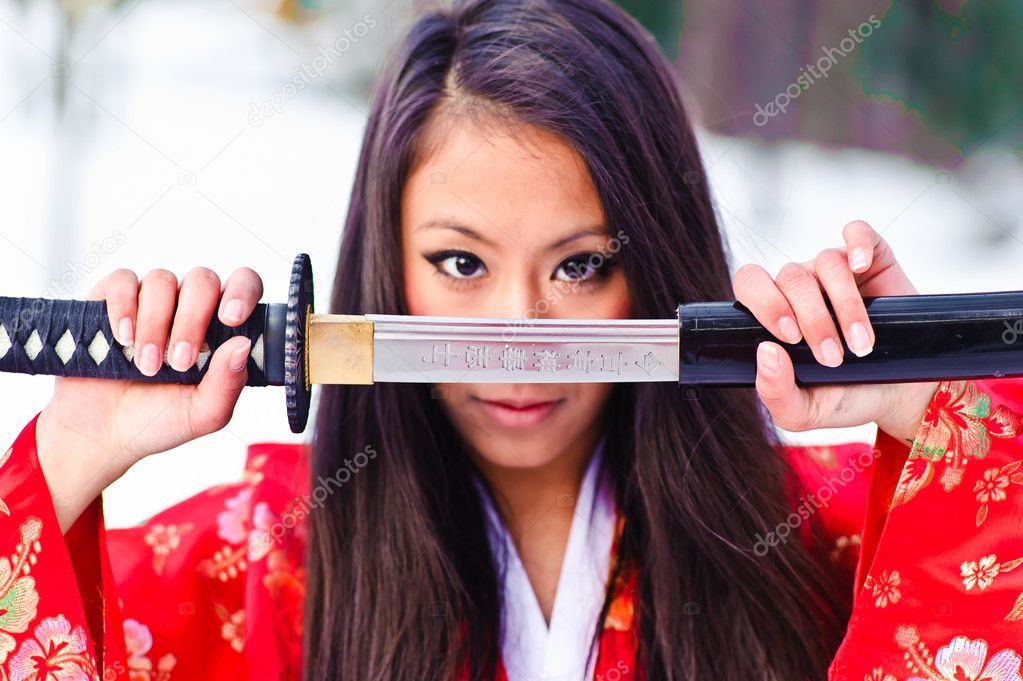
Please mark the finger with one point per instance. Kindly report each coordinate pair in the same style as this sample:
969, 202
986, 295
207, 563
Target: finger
157, 296
120, 289
807, 301
754, 288
242, 292
839, 283
790, 407
861, 243
197, 298
213, 401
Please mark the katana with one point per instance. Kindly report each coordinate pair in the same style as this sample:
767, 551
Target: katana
917, 338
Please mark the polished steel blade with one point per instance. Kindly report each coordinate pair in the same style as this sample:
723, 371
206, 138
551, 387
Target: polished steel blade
421, 349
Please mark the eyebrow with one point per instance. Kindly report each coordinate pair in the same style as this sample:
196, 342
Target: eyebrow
599, 230
455, 227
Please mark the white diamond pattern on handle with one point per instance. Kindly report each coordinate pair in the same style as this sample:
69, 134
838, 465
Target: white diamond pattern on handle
129, 352
204, 355
65, 347
99, 347
257, 353
5, 341
34, 345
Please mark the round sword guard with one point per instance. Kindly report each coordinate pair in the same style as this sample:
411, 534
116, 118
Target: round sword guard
297, 390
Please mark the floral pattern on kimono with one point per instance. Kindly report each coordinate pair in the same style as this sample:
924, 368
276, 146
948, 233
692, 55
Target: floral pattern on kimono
960, 593
213, 587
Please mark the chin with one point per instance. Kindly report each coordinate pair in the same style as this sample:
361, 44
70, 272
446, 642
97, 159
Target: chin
522, 451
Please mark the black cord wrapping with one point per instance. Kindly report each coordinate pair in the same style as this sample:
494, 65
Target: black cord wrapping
53, 337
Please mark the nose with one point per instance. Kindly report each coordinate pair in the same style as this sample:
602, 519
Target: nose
519, 295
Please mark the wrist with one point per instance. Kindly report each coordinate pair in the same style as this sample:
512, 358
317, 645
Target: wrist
76, 468
905, 410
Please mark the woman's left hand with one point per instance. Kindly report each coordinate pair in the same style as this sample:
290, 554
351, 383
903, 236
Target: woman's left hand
791, 306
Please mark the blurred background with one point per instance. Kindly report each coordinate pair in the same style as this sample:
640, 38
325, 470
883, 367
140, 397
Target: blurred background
177, 133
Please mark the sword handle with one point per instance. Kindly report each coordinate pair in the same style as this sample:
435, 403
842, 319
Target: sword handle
72, 338
917, 338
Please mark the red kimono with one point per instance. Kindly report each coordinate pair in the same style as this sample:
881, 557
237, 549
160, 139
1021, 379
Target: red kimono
212, 588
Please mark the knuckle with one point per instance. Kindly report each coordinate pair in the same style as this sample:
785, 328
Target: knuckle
855, 225
831, 262
770, 397
161, 277
247, 279
807, 301
122, 276
745, 278
883, 252
793, 276
247, 272
819, 323
121, 285
848, 306
204, 276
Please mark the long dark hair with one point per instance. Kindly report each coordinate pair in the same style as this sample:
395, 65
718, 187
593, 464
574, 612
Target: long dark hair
401, 584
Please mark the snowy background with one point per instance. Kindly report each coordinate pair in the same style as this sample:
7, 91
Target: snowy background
137, 124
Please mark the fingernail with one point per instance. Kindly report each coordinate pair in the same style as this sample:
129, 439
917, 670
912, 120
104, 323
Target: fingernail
859, 341
233, 310
150, 359
237, 359
767, 358
126, 331
858, 260
789, 329
181, 359
831, 353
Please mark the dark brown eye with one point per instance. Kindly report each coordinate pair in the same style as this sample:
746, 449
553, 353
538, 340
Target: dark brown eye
458, 264
582, 267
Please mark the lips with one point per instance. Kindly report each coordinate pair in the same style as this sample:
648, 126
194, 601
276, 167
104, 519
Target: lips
519, 413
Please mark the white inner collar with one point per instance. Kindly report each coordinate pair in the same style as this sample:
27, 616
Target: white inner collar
530, 650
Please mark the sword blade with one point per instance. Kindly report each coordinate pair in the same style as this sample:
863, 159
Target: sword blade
477, 350
423, 349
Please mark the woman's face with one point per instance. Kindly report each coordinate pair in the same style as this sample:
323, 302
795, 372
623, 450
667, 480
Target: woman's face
501, 221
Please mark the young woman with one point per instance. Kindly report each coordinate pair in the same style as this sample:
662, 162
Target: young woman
525, 158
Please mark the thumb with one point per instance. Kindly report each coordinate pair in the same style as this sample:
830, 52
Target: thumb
790, 407
214, 398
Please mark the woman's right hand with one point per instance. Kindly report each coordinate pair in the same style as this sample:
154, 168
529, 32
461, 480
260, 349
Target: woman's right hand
93, 430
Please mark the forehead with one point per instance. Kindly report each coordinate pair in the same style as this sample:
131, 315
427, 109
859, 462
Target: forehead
514, 179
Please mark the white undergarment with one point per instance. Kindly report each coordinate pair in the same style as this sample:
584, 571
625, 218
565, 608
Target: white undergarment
530, 650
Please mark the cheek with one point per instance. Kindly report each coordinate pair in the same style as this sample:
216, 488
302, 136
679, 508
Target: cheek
590, 398
620, 303
418, 283
611, 301
414, 299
